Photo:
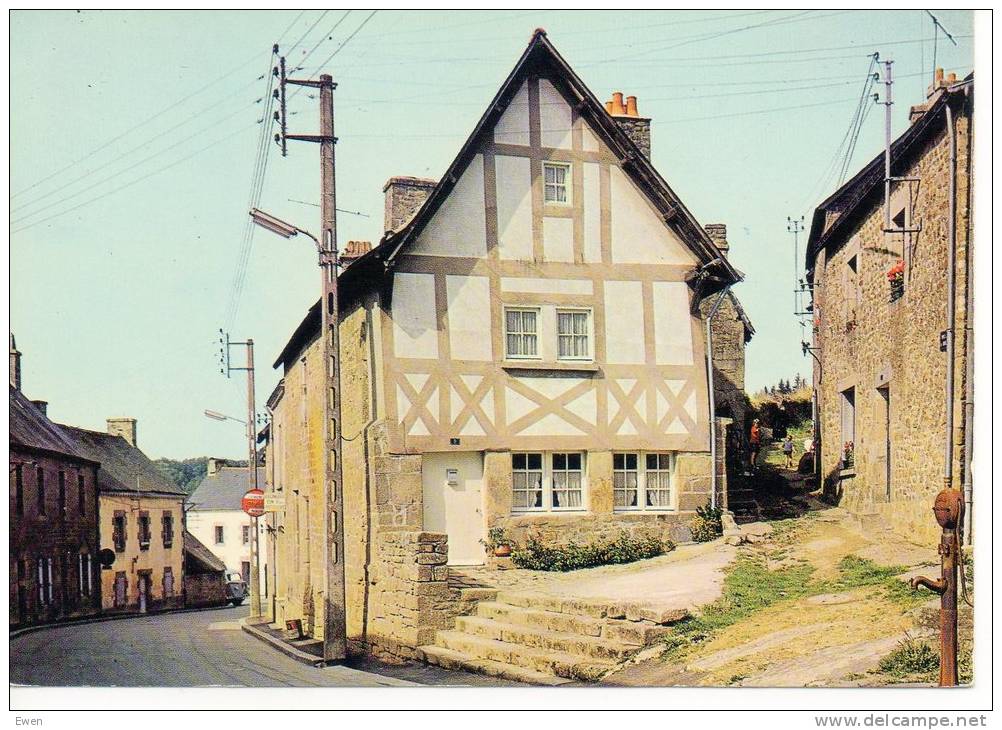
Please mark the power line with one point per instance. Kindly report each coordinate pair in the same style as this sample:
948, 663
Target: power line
326, 36
136, 126
308, 31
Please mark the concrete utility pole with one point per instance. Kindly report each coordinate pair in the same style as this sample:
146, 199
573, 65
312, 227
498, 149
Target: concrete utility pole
252, 482
335, 629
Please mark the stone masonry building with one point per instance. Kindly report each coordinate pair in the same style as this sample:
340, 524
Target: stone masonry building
881, 323
524, 349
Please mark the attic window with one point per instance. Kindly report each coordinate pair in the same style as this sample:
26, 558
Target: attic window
555, 189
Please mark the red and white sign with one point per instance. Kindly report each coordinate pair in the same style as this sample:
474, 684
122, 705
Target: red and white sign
253, 503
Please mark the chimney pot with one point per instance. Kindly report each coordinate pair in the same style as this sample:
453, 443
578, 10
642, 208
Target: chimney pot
42, 406
608, 106
631, 106
951, 79
617, 103
124, 427
939, 76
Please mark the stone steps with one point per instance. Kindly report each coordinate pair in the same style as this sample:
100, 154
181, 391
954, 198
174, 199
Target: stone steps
587, 647
632, 633
533, 637
450, 659
556, 663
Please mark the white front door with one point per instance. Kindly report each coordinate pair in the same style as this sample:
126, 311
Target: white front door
453, 502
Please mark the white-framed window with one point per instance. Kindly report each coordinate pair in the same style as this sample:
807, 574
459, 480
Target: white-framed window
567, 481
556, 179
218, 530
521, 325
642, 481
573, 334
527, 481
547, 482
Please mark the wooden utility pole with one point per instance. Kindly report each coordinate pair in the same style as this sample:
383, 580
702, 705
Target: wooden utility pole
335, 629
255, 576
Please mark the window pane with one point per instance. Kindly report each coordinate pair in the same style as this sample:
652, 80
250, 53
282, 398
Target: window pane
518, 461
665, 461
529, 321
652, 461
574, 461
617, 461
512, 321
631, 461
560, 461
535, 461
564, 323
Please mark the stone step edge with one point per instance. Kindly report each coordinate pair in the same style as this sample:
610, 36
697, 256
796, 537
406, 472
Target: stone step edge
601, 623
573, 661
554, 636
452, 659
628, 611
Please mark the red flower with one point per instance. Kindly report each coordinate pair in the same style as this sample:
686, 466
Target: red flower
897, 270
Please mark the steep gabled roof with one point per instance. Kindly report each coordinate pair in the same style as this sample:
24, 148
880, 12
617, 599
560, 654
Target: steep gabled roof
30, 429
124, 468
542, 58
223, 490
856, 196
195, 550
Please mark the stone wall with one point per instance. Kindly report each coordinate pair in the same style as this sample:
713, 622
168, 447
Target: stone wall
728, 332
403, 197
637, 129
870, 343
204, 590
409, 596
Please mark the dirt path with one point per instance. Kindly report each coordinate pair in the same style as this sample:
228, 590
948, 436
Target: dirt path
818, 604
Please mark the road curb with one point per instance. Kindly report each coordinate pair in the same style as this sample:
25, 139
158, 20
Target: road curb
112, 617
300, 656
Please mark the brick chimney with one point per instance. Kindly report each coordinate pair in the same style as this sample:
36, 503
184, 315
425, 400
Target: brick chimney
15, 364
124, 427
932, 94
404, 196
637, 128
42, 406
718, 234
354, 250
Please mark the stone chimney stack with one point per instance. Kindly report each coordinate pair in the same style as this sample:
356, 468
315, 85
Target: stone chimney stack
124, 427
404, 196
718, 234
15, 364
637, 128
42, 406
213, 466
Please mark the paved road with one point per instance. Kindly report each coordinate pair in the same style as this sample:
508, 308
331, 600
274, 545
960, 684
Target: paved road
196, 649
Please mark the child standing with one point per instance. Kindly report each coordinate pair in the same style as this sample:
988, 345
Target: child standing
788, 451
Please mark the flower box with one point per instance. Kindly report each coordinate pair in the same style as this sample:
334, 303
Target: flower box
896, 280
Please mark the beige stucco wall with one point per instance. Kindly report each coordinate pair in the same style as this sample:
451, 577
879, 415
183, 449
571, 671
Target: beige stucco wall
133, 560
895, 344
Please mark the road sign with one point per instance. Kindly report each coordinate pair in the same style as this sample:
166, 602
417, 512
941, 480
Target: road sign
274, 502
253, 503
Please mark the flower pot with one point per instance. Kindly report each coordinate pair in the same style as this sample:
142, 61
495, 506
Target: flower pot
502, 551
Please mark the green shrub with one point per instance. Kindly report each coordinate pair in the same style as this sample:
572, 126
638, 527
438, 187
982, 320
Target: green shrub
707, 524
624, 549
909, 658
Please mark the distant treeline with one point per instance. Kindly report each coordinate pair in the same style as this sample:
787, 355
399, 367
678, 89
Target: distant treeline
187, 473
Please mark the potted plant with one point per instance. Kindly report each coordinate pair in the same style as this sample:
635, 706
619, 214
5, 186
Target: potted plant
498, 543
848, 454
896, 278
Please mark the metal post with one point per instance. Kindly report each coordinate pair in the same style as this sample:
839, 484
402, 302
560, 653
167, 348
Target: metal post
888, 103
335, 633
255, 577
949, 511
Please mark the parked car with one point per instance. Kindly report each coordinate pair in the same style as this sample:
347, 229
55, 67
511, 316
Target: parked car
236, 588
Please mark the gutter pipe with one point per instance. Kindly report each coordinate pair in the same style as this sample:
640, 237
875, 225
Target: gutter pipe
951, 304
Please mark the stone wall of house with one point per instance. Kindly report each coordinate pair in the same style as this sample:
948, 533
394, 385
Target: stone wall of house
203, 590
600, 521
869, 343
728, 332
409, 596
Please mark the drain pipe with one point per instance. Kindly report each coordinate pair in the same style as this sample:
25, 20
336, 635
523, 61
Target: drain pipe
713, 405
951, 304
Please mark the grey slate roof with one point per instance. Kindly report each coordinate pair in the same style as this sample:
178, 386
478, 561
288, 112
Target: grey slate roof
196, 550
30, 429
224, 489
124, 468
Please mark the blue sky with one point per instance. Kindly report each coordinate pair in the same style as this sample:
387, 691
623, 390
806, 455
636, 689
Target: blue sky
134, 141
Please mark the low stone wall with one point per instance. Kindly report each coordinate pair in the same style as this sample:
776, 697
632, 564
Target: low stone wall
409, 596
584, 528
204, 590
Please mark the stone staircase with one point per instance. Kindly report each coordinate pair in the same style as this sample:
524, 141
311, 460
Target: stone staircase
546, 640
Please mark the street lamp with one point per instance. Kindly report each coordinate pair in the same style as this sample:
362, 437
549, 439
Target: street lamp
335, 644
217, 416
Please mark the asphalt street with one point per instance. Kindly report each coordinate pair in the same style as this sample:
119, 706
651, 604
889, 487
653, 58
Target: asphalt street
194, 649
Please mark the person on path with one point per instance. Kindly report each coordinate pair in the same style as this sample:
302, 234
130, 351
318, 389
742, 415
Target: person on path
788, 451
754, 443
